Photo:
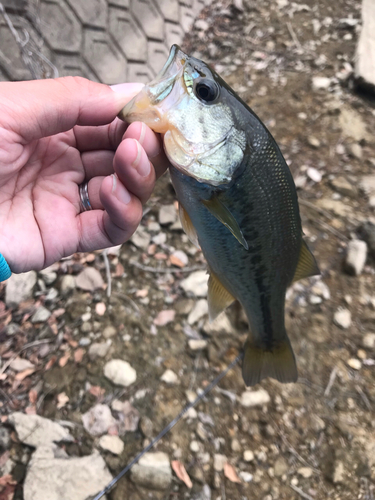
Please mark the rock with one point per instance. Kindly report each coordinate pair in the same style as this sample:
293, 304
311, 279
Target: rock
179, 258
36, 431
196, 284
120, 372
281, 467
355, 150
194, 446
338, 474
205, 494
146, 426
368, 340
52, 475
313, 142
167, 214
342, 318
41, 315
49, 276
352, 124
201, 25
153, 471
314, 174
317, 423
344, 187
219, 462
169, 377
354, 363
355, 257
367, 184
98, 420
235, 445
305, 472
4, 439
248, 456
320, 83
246, 476
365, 53
99, 350
141, 238
19, 288
114, 444
197, 344
254, 398
89, 279
67, 284
165, 317
20, 364
199, 310
335, 206
221, 324
109, 331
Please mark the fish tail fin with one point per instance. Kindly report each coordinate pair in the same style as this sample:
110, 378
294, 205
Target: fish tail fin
278, 362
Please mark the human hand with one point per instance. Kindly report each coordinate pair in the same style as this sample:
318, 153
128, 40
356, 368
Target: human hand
54, 135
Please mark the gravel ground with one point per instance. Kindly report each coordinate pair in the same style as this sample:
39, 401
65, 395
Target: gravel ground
113, 371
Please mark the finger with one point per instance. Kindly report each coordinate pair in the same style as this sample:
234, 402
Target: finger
43, 108
123, 212
97, 163
152, 144
102, 137
93, 189
134, 169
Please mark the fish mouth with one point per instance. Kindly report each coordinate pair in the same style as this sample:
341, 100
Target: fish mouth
147, 106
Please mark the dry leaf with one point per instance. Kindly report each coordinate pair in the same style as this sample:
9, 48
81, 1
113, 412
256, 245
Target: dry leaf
96, 391
50, 363
176, 261
164, 317
64, 359
25, 373
62, 399
8, 479
141, 293
119, 270
78, 355
33, 396
161, 256
72, 343
100, 308
151, 249
181, 473
231, 474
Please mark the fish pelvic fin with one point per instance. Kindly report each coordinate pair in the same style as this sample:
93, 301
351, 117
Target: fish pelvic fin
307, 265
222, 214
278, 363
187, 225
218, 297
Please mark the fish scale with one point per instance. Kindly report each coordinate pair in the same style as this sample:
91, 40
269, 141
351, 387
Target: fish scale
238, 201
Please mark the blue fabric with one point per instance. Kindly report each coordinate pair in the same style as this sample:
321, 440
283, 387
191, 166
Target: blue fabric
5, 271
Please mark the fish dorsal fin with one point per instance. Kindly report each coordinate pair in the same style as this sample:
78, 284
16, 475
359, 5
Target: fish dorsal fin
218, 297
221, 212
307, 265
187, 225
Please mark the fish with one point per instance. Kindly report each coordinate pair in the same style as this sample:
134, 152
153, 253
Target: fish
237, 202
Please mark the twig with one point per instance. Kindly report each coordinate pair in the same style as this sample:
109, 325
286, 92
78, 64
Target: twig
332, 230
331, 381
150, 269
128, 299
314, 207
107, 271
26, 346
294, 37
168, 427
364, 397
300, 492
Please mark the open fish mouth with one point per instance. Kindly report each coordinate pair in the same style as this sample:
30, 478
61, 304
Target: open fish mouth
148, 106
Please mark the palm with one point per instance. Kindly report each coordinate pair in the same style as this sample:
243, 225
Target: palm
45, 191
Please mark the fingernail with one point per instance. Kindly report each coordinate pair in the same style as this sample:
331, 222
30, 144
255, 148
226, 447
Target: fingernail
141, 164
119, 190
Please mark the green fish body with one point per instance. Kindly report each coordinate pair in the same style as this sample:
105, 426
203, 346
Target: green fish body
237, 201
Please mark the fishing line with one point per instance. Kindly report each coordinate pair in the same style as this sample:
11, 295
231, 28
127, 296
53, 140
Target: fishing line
168, 427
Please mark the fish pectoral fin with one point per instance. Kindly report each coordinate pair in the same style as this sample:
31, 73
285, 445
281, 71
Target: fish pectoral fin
307, 265
278, 363
221, 212
218, 297
187, 225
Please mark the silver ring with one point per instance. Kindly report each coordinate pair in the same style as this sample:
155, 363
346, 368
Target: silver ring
84, 195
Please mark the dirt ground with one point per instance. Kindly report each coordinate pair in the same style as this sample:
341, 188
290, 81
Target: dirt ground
314, 439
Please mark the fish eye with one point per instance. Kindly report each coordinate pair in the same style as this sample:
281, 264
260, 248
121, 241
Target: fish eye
206, 90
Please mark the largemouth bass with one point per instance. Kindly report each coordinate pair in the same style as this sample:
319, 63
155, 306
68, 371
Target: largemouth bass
237, 199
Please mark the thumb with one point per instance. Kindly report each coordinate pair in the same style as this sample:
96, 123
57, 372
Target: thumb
41, 108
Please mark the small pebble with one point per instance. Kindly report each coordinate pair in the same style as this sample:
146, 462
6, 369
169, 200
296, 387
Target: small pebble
342, 318
248, 456
169, 377
354, 363
305, 472
356, 257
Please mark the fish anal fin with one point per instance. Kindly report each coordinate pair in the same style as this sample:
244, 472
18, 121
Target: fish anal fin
222, 213
278, 363
187, 225
307, 265
218, 297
